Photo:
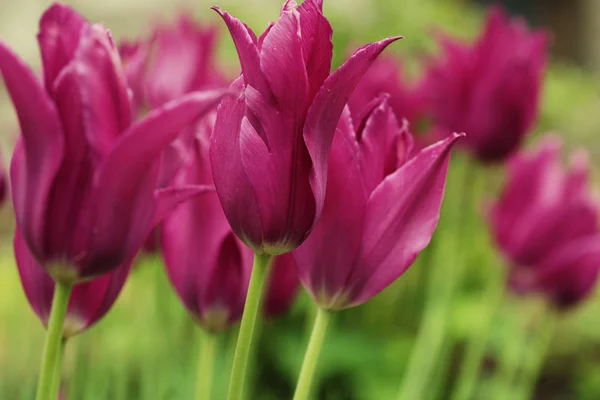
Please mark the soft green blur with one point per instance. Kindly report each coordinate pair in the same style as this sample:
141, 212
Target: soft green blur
147, 347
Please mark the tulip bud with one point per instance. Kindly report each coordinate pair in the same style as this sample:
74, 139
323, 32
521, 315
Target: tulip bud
489, 89
381, 209
546, 225
270, 146
83, 176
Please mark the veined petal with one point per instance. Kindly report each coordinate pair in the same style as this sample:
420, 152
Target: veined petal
323, 114
326, 259
123, 198
60, 30
402, 214
42, 138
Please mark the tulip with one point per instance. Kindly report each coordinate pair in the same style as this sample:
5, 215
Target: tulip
208, 266
489, 89
381, 209
270, 146
546, 225
83, 176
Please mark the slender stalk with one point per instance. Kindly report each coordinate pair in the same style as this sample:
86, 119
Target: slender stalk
260, 271
206, 366
58, 366
311, 356
52, 348
537, 355
471, 366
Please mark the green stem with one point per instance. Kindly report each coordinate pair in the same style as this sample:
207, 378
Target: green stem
537, 355
471, 366
260, 271
206, 366
58, 366
311, 356
52, 348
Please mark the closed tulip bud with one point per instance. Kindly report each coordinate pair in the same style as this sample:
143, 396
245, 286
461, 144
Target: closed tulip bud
270, 146
489, 89
88, 303
381, 209
84, 177
546, 225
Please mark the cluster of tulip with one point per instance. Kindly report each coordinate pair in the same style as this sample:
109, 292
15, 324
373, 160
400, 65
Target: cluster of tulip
313, 174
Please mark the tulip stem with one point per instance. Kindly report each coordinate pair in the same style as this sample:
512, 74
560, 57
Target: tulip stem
260, 272
53, 346
206, 366
58, 366
311, 357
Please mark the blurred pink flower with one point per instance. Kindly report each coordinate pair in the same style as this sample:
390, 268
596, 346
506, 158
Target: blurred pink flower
489, 89
546, 225
381, 209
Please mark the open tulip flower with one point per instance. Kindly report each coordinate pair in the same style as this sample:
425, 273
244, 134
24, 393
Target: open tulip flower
270, 145
546, 225
489, 89
83, 176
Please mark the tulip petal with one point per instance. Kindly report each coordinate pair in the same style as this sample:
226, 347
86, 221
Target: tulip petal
326, 258
246, 45
168, 199
42, 146
323, 114
402, 214
282, 287
123, 196
317, 48
60, 30
231, 180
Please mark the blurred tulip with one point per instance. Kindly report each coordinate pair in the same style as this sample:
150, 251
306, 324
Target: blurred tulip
490, 89
89, 301
546, 225
270, 146
207, 264
380, 211
83, 176
283, 286
4, 186
176, 60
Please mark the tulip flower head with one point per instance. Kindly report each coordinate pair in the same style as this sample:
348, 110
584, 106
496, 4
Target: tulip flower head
207, 264
381, 209
270, 146
546, 225
83, 176
489, 89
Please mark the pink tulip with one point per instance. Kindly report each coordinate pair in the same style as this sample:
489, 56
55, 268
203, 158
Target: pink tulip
381, 209
545, 224
270, 146
83, 176
489, 89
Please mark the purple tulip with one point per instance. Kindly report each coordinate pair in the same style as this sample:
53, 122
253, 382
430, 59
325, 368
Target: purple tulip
270, 146
83, 176
490, 89
283, 286
89, 301
545, 224
380, 211
207, 264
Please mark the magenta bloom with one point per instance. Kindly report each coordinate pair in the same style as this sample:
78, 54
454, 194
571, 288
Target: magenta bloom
545, 224
270, 146
89, 301
83, 177
380, 211
176, 60
489, 89
207, 264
